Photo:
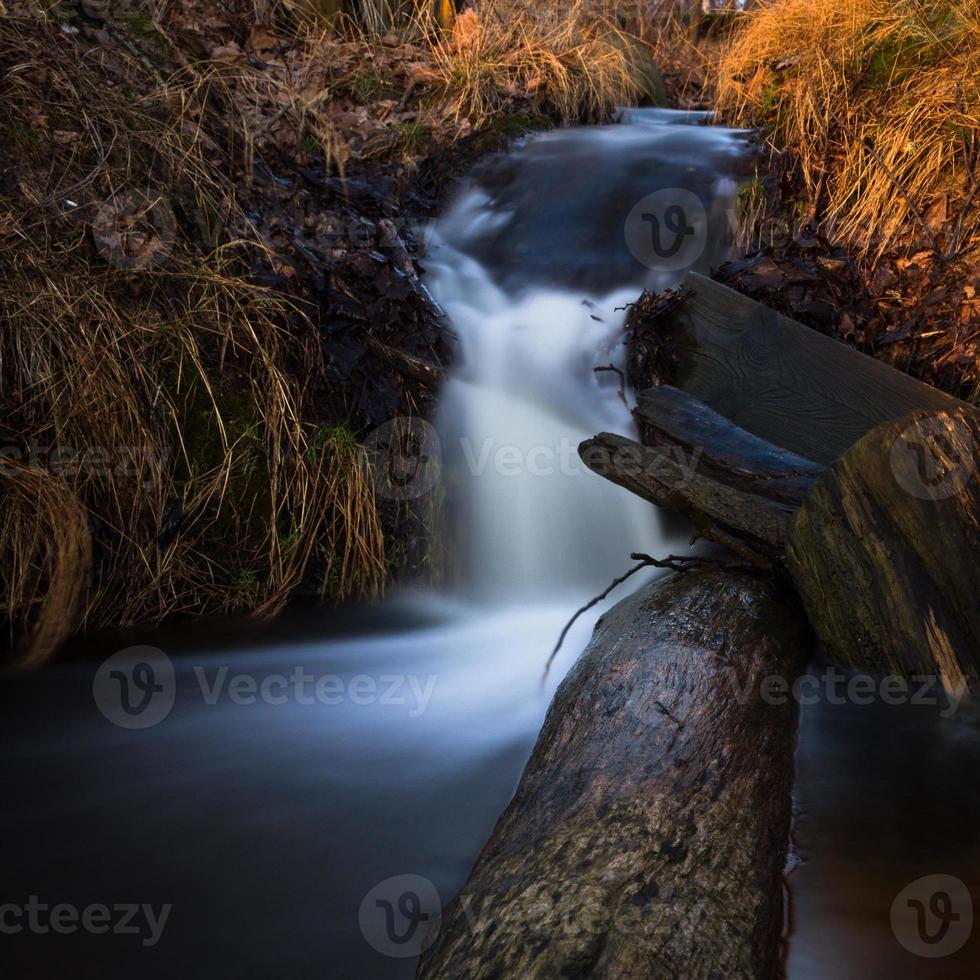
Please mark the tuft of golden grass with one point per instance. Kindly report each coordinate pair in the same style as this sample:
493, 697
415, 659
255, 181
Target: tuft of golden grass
574, 63
45, 560
879, 99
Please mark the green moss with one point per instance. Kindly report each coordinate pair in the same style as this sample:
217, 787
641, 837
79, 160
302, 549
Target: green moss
372, 84
515, 125
140, 24
338, 439
134, 19
17, 134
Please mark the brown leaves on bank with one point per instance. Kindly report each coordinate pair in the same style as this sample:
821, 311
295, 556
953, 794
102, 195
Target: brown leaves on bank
914, 312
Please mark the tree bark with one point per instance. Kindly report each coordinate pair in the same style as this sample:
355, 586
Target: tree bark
884, 551
698, 463
776, 378
648, 835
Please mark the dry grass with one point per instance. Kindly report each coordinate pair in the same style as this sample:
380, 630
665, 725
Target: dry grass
880, 100
45, 559
159, 461
155, 408
683, 52
574, 64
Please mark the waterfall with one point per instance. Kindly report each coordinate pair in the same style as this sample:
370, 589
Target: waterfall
534, 262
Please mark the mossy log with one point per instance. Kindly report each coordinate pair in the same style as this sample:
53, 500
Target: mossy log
648, 835
885, 551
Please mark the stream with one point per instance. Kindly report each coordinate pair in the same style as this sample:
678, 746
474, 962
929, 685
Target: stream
306, 793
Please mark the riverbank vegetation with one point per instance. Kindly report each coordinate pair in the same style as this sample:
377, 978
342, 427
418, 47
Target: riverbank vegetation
209, 275
209, 285
867, 214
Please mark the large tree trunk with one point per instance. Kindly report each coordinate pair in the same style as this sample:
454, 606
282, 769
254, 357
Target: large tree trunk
776, 378
648, 835
885, 549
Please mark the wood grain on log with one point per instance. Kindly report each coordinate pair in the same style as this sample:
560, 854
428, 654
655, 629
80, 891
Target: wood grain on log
705, 500
670, 417
884, 551
648, 835
782, 381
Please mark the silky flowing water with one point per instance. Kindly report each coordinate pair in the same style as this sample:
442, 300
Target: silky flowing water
314, 788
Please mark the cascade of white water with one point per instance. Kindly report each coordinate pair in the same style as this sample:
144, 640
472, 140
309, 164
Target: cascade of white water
531, 520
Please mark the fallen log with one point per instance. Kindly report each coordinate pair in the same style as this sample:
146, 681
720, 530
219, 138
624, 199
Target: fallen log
780, 380
670, 417
884, 551
704, 467
648, 835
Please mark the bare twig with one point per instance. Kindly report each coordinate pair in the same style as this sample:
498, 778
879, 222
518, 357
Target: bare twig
622, 380
592, 602
675, 563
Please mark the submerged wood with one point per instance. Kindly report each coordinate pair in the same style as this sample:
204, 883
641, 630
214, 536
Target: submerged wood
701, 465
780, 380
884, 551
648, 835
